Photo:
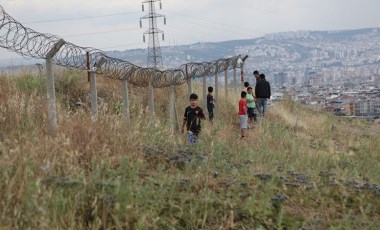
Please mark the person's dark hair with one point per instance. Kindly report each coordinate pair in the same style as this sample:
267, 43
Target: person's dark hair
243, 94
210, 89
262, 76
193, 96
249, 88
255, 72
246, 84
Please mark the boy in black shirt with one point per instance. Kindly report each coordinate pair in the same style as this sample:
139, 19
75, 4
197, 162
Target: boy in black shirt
192, 119
210, 104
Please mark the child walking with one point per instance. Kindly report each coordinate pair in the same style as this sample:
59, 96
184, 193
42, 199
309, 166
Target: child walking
210, 103
192, 119
243, 109
251, 104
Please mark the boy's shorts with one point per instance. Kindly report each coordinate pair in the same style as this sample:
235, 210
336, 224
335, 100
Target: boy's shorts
192, 138
210, 113
251, 112
243, 121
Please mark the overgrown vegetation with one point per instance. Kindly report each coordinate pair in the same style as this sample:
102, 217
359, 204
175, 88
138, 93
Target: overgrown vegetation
299, 169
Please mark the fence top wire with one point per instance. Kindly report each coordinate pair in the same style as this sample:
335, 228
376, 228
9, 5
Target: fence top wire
31, 44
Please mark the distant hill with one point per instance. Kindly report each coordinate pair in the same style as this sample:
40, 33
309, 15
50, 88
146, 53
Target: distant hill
174, 56
290, 42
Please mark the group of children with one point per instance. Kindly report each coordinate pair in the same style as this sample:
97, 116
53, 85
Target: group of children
253, 100
247, 104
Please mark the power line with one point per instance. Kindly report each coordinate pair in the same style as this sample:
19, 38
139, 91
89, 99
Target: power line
122, 45
186, 38
130, 29
81, 18
100, 32
120, 14
134, 12
214, 22
187, 30
225, 28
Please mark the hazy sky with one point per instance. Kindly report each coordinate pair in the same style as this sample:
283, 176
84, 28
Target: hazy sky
114, 24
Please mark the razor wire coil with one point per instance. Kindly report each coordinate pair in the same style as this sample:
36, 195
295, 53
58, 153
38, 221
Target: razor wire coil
31, 44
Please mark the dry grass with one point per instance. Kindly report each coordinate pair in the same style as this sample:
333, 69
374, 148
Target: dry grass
299, 168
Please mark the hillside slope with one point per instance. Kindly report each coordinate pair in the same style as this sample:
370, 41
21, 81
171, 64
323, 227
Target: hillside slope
299, 168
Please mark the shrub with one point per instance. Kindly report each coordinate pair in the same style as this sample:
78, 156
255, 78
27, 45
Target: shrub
68, 82
31, 83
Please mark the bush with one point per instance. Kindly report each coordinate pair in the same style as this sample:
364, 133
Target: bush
31, 83
67, 82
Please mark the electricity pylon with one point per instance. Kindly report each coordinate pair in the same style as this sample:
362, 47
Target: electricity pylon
154, 49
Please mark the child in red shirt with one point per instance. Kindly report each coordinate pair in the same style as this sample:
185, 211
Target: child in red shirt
243, 108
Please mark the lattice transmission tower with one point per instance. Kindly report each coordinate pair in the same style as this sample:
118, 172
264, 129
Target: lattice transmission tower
154, 49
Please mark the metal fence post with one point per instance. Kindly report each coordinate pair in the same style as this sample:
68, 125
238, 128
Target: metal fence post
88, 65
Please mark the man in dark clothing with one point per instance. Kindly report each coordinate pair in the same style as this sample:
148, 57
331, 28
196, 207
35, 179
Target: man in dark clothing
192, 119
210, 104
262, 93
257, 75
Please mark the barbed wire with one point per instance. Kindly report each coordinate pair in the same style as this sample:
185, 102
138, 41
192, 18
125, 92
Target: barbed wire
31, 44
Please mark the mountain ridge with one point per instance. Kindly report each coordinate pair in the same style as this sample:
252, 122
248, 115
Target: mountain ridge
174, 56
